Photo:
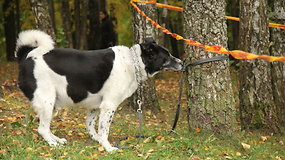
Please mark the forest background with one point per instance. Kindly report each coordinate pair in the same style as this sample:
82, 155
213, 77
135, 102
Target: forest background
260, 138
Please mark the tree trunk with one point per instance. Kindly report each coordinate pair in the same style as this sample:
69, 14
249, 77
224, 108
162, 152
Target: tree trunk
83, 22
233, 26
67, 25
256, 96
77, 24
102, 5
94, 30
42, 16
278, 68
10, 27
209, 89
52, 14
143, 29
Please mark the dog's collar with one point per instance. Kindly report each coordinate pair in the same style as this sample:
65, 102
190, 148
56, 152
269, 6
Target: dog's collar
139, 66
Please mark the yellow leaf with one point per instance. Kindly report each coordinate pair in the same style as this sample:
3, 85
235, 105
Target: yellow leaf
18, 132
264, 138
140, 155
278, 158
146, 140
29, 149
101, 148
150, 151
81, 126
198, 130
245, 146
238, 154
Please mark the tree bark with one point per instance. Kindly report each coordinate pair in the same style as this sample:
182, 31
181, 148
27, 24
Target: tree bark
278, 68
143, 29
42, 16
209, 89
77, 24
256, 96
10, 27
83, 22
94, 30
67, 25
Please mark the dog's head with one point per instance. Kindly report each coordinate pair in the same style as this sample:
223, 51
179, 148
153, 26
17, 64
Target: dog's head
157, 58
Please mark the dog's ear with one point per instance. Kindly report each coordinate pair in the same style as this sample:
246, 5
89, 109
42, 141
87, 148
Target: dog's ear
149, 40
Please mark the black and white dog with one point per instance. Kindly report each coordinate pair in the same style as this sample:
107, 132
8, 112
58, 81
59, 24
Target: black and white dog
99, 79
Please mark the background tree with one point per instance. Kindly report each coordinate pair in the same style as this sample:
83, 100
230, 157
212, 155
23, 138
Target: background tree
277, 49
209, 92
80, 18
143, 29
10, 12
256, 95
94, 26
42, 16
66, 23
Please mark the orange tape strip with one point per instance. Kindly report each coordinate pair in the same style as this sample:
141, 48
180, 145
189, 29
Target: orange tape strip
160, 5
215, 49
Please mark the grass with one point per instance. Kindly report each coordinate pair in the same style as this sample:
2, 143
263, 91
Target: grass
20, 140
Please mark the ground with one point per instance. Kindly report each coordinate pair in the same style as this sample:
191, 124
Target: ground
19, 138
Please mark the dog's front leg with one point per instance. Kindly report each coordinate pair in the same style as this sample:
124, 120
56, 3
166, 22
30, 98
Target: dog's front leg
91, 119
105, 119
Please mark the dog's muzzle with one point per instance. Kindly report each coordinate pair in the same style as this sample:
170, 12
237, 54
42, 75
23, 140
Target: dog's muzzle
174, 64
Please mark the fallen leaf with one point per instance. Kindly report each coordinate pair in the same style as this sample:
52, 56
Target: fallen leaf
264, 138
278, 158
198, 130
238, 154
281, 142
196, 158
29, 149
18, 132
140, 155
146, 140
101, 148
245, 146
228, 157
3, 151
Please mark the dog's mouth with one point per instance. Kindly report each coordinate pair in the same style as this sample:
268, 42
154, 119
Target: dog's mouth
173, 64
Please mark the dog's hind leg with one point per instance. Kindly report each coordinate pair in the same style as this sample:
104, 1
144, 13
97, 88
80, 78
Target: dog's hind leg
105, 119
44, 107
91, 119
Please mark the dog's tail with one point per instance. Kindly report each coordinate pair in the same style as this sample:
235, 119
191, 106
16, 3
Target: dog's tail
33, 43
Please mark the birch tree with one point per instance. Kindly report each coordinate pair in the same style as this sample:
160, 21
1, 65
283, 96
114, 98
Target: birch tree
143, 29
256, 95
278, 68
42, 16
209, 91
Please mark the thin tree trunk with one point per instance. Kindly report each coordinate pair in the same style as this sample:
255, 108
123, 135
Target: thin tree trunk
42, 16
83, 19
278, 68
10, 28
77, 24
143, 29
52, 14
256, 96
94, 26
67, 25
209, 89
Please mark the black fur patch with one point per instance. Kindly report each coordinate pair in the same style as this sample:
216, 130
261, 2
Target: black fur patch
85, 71
27, 81
153, 56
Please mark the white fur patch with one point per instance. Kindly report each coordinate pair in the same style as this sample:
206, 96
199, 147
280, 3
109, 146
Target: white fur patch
42, 42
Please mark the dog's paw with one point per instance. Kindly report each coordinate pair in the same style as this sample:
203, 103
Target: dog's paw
112, 149
62, 141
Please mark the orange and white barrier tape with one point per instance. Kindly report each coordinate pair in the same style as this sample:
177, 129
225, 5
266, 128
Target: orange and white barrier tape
179, 9
215, 49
